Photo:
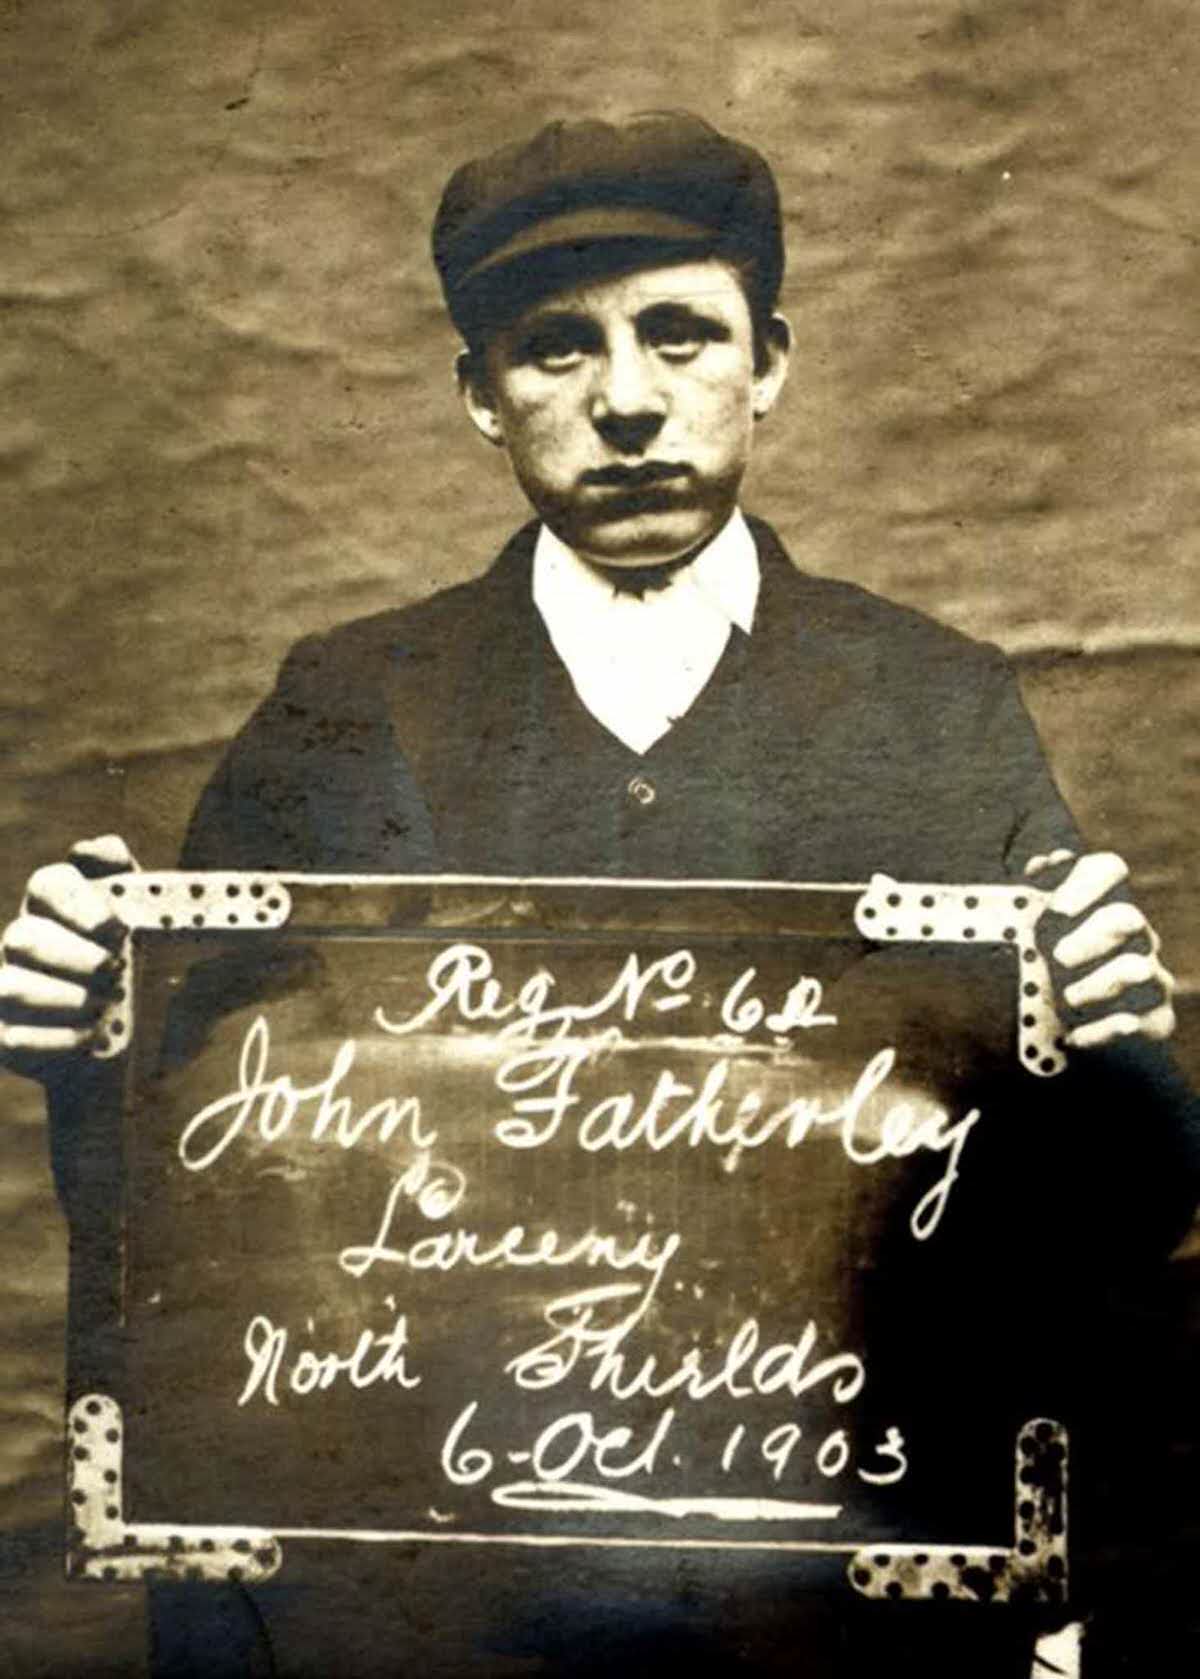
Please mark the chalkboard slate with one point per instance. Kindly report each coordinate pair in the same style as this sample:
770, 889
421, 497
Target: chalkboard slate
484, 1213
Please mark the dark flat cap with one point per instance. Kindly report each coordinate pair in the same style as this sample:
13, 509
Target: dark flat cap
663, 177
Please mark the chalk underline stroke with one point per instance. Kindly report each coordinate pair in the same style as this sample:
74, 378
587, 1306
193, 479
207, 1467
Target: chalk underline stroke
575, 1496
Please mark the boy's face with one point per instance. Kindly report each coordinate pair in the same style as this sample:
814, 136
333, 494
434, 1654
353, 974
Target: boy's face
627, 407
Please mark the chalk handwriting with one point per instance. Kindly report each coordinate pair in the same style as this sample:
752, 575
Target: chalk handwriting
738, 1367
267, 1347
541, 1080
560, 1448
462, 982
552, 1063
576, 1445
270, 1106
801, 1008
575, 1497
516, 1246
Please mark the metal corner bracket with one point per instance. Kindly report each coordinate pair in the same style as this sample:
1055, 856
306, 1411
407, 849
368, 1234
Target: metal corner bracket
168, 901
1033, 1571
891, 912
103, 1545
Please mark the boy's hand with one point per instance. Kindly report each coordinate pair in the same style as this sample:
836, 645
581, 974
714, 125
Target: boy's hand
59, 959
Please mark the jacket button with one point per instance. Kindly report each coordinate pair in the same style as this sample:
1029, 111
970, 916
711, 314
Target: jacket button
643, 790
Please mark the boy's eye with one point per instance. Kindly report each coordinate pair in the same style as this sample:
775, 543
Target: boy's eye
678, 336
675, 334
677, 343
555, 352
554, 347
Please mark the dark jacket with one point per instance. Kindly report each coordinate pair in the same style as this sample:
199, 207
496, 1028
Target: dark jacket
844, 735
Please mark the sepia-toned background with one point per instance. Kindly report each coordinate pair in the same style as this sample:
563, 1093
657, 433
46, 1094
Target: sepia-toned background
226, 417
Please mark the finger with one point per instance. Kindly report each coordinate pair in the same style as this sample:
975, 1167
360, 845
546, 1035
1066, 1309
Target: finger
1157, 1024
1111, 979
18, 1042
36, 941
1092, 878
1048, 860
106, 854
61, 892
25, 991
1103, 931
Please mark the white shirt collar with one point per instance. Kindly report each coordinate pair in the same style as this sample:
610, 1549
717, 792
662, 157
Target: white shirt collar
726, 571
639, 664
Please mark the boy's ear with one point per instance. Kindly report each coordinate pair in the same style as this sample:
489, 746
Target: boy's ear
768, 382
475, 389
